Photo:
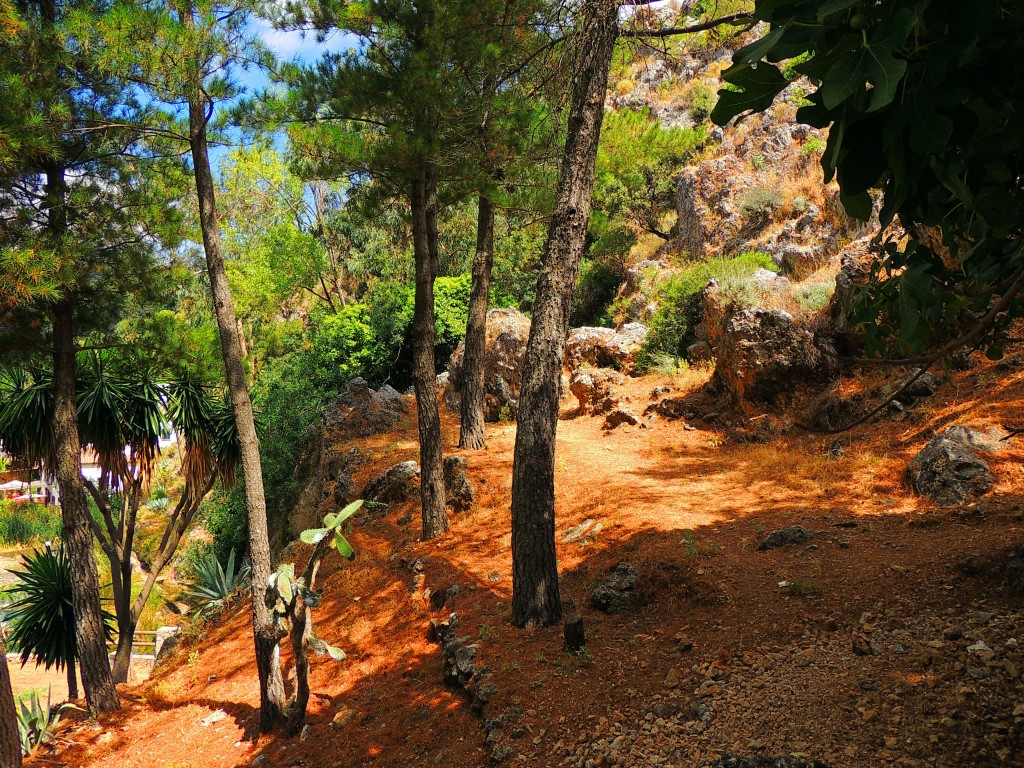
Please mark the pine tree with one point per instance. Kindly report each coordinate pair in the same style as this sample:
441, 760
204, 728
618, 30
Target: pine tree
195, 50
79, 228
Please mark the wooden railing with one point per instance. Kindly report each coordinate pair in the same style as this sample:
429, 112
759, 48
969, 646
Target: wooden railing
143, 641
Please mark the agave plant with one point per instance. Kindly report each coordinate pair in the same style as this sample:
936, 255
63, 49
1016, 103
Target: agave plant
37, 721
214, 584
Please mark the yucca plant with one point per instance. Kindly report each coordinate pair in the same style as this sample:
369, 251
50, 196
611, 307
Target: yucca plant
42, 617
37, 721
214, 584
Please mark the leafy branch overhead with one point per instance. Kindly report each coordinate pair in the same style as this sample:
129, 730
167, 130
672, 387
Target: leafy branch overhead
922, 102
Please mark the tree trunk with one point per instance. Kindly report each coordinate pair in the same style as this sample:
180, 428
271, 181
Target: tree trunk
10, 740
123, 654
76, 531
535, 594
423, 200
121, 582
265, 634
72, 673
472, 434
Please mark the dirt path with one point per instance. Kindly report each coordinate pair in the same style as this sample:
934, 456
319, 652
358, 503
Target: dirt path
869, 656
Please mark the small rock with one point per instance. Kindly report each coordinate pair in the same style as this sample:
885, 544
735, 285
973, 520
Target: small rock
620, 416
672, 678
617, 592
795, 534
213, 717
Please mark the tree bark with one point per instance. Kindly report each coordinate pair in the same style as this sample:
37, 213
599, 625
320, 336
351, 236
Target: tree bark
423, 205
72, 674
265, 634
76, 531
472, 431
10, 740
535, 593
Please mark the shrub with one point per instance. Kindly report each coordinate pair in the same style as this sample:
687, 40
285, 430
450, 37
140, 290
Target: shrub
215, 584
701, 101
224, 516
759, 204
671, 330
28, 523
36, 721
42, 617
814, 296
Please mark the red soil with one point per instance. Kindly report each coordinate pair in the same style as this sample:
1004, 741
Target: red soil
686, 505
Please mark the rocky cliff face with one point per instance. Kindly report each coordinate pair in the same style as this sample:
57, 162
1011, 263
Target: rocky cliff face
757, 186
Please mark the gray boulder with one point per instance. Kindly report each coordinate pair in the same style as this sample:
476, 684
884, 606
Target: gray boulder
763, 353
594, 389
360, 411
605, 347
948, 469
617, 593
508, 330
394, 485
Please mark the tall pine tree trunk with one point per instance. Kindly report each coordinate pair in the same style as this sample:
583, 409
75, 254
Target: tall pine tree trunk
472, 434
423, 205
267, 641
76, 531
535, 594
10, 741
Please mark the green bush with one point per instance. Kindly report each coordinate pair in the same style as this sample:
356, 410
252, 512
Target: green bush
702, 100
814, 296
671, 330
759, 204
223, 514
28, 523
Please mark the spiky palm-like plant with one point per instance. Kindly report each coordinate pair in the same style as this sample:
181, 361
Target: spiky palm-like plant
214, 584
42, 617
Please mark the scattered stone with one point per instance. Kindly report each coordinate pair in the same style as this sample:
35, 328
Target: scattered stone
439, 599
259, 760
788, 761
948, 470
795, 534
620, 416
925, 386
395, 485
342, 717
585, 531
617, 593
672, 678
500, 753
213, 717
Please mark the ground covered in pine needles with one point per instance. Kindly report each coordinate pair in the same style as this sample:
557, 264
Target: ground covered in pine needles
892, 637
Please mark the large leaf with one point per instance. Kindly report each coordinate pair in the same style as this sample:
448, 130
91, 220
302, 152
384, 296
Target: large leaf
314, 535
756, 89
347, 512
324, 649
343, 547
